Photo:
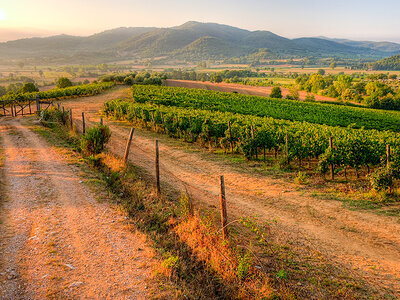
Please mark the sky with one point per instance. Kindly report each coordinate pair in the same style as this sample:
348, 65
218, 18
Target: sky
355, 19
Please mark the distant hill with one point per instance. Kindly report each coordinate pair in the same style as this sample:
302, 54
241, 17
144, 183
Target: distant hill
387, 47
390, 63
191, 41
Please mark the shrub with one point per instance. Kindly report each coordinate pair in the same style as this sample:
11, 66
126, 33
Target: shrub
245, 263
310, 97
381, 179
63, 82
276, 92
301, 178
94, 140
51, 116
28, 87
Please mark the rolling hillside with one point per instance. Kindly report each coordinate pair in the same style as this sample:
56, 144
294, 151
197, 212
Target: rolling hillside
192, 40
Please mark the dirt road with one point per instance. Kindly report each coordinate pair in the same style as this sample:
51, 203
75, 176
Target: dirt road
364, 243
240, 88
56, 239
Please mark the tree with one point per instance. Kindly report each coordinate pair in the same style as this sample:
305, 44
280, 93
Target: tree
293, 93
276, 92
343, 83
217, 78
333, 65
321, 72
315, 83
29, 87
41, 74
377, 88
63, 82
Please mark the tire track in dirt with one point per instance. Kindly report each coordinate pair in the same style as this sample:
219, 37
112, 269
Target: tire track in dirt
57, 240
366, 244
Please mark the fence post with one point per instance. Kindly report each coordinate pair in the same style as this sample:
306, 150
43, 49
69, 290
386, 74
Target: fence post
388, 156
70, 114
30, 109
83, 123
230, 136
128, 145
287, 148
158, 170
58, 106
12, 108
224, 216
101, 121
37, 103
332, 166
63, 110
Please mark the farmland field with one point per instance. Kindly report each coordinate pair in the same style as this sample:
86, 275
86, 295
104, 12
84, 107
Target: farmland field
303, 221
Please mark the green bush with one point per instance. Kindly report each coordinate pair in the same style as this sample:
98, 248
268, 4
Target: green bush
245, 264
276, 92
301, 178
381, 179
51, 116
63, 82
95, 139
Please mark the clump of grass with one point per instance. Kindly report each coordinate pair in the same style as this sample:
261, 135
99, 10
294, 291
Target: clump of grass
301, 178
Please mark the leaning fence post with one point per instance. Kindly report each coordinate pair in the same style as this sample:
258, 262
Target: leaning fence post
83, 123
128, 146
388, 156
332, 167
224, 216
158, 170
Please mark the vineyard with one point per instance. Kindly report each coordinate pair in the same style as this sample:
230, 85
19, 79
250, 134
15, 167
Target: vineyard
80, 91
178, 114
312, 112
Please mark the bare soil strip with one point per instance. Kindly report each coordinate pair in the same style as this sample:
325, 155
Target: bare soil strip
363, 242
263, 91
56, 239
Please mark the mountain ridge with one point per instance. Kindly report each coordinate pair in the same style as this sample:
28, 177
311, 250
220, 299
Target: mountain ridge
215, 41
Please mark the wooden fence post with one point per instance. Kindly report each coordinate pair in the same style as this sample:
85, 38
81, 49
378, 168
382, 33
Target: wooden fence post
37, 103
101, 121
83, 123
158, 170
388, 156
224, 216
332, 166
63, 110
71, 120
128, 145
287, 148
58, 105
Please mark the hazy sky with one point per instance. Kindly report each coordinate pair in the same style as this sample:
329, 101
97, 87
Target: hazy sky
357, 19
